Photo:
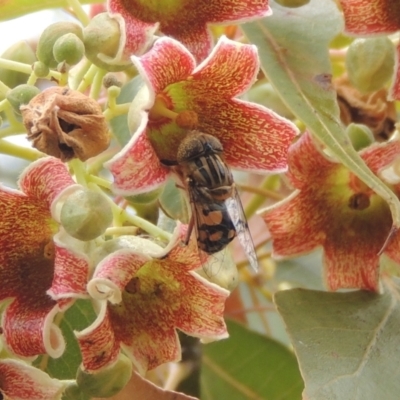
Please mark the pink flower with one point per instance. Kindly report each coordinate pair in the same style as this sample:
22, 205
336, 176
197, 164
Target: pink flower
187, 20
39, 273
253, 137
332, 208
20, 381
143, 298
376, 17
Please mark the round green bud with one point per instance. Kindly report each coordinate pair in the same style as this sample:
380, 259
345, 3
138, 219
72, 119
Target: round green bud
108, 381
292, 3
21, 95
49, 37
68, 48
370, 63
360, 136
40, 69
102, 39
110, 80
86, 215
20, 52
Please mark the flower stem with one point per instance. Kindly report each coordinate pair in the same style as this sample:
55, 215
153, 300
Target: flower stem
14, 150
79, 11
24, 68
133, 219
97, 83
79, 74
115, 110
255, 203
87, 78
79, 171
4, 88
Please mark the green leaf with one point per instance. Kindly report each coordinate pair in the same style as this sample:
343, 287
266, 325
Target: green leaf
347, 344
15, 8
293, 48
78, 317
249, 366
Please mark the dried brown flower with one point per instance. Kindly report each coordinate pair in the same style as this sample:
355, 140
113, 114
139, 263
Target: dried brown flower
371, 109
66, 124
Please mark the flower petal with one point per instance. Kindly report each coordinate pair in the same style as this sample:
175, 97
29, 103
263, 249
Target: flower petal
29, 330
136, 35
254, 138
286, 222
45, 179
394, 91
114, 273
381, 155
20, 381
354, 265
136, 168
227, 72
71, 270
201, 314
97, 343
156, 67
364, 17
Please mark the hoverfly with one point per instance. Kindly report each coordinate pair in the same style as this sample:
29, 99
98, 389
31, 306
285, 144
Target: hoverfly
217, 212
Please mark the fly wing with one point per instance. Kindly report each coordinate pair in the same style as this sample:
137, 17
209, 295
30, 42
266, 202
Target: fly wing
235, 210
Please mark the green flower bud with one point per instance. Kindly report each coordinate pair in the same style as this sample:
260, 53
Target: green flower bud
110, 80
68, 48
370, 63
292, 3
102, 39
108, 381
21, 95
49, 37
86, 215
21, 52
40, 69
360, 136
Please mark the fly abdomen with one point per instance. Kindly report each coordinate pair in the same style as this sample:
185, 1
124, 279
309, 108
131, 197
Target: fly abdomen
215, 228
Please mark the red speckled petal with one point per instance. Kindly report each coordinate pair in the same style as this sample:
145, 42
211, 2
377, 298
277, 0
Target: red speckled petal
113, 274
201, 315
28, 327
296, 228
254, 138
238, 10
137, 35
197, 39
71, 272
185, 257
363, 17
45, 179
20, 381
98, 344
379, 156
352, 265
154, 348
305, 159
394, 91
167, 62
136, 168
229, 70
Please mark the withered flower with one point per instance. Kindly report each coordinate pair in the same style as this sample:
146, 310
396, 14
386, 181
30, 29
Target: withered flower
371, 109
66, 124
